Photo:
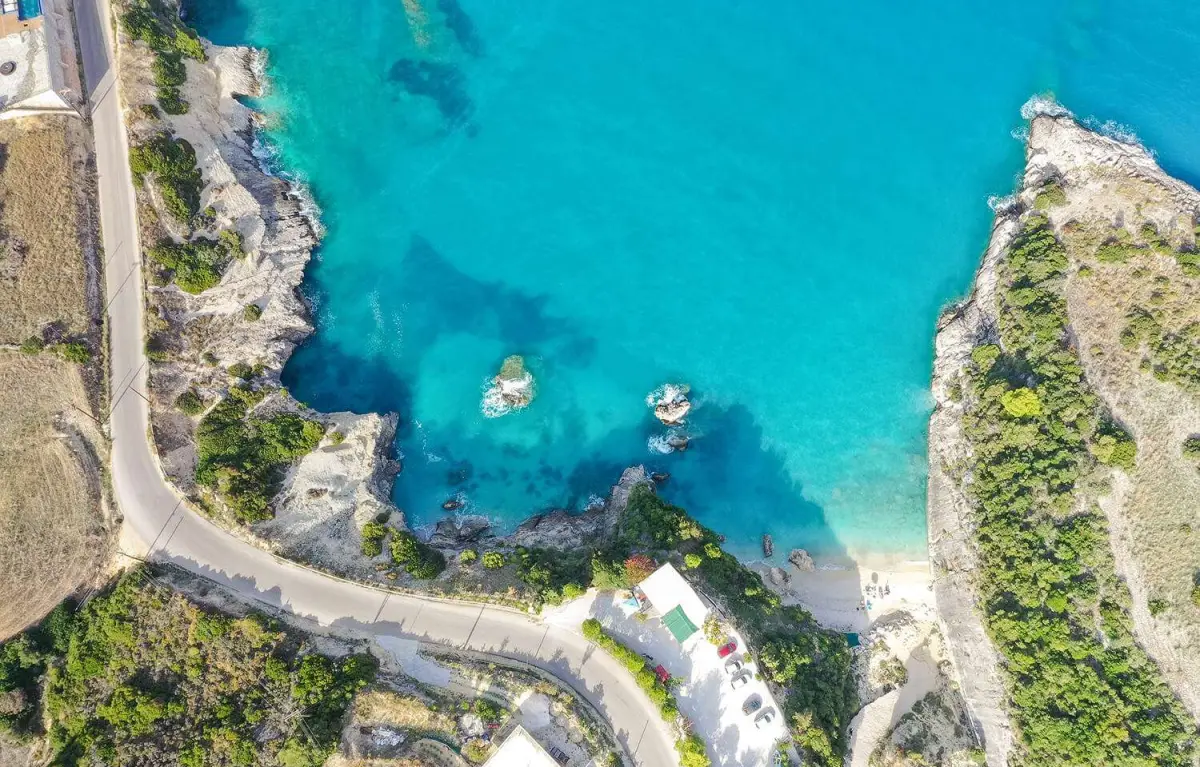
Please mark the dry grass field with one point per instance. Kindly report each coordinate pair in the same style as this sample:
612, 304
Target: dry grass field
43, 188
52, 535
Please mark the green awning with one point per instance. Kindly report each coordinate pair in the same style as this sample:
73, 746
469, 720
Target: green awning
680, 626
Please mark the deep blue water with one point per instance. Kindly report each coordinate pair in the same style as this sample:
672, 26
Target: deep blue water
767, 200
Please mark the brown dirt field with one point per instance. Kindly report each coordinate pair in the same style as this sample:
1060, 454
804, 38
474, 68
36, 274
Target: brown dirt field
44, 184
53, 537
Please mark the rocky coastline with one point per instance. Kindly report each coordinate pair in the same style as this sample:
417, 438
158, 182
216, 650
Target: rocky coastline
328, 495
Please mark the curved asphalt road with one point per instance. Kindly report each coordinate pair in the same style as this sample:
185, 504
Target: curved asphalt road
154, 513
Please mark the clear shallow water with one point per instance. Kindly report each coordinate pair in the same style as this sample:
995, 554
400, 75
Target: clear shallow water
769, 201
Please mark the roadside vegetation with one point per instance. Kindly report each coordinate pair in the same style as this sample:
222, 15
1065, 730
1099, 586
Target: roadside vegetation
142, 676
1082, 690
242, 457
158, 26
194, 266
171, 164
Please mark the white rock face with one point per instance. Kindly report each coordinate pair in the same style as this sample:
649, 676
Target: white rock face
329, 494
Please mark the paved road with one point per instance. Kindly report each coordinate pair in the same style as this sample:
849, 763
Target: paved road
154, 513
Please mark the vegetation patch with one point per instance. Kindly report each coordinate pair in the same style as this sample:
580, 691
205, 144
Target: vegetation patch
171, 41
373, 534
141, 676
242, 457
189, 403
1051, 195
172, 164
194, 266
419, 559
1082, 690
637, 665
1172, 356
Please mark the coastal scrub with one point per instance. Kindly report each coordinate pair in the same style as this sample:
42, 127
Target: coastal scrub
171, 162
1082, 690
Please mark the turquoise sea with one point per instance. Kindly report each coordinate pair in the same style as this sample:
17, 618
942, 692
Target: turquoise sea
769, 201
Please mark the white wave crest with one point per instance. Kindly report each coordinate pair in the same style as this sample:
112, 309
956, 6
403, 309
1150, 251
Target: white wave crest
1043, 104
1000, 204
595, 502
667, 393
499, 395
657, 445
1116, 131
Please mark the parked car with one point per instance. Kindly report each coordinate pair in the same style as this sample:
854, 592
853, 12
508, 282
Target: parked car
559, 756
752, 704
741, 680
725, 650
764, 719
733, 665
663, 676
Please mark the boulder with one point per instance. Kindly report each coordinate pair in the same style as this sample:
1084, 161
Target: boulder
671, 404
511, 389
449, 533
801, 560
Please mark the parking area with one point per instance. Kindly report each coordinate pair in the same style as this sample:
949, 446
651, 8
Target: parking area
705, 691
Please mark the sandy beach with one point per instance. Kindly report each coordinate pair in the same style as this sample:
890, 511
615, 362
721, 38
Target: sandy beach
851, 597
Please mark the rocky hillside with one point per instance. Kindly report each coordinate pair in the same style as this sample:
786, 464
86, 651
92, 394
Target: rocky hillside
1060, 473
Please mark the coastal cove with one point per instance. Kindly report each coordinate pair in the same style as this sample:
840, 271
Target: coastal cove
746, 243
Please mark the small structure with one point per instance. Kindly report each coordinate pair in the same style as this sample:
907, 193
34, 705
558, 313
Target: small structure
39, 73
519, 749
682, 609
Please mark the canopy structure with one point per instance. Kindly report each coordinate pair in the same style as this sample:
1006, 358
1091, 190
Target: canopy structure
681, 607
519, 749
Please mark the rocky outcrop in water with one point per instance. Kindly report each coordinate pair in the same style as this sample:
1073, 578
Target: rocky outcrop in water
511, 389
671, 404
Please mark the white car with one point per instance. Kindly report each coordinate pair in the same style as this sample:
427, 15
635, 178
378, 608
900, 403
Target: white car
764, 719
741, 680
733, 665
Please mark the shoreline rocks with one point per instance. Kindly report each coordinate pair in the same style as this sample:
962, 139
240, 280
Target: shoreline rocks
800, 559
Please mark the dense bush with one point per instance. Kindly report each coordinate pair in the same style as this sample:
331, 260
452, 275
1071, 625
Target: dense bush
252, 312
691, 752
142, 677
550, 575
172, 163
232, 240
493, 560
418, 559
373, 534
242, 457
1172, 356
74, 351
195, 266
1051, 195
189, 403
32, 345
638, 568
468, 556
1191, 448
1082, 691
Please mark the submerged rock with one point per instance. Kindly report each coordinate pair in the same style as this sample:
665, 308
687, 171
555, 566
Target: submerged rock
452, 505
768, 546
659, 477
671, 404
677, 442
801, 560
511, 389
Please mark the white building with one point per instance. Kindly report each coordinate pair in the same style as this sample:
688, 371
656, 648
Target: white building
682, 610
39, 73
519, 749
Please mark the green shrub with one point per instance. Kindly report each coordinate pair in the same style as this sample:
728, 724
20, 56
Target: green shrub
468, 556
1051, 195
573, 591
1113, 446
691, 752
173, 103
493, 560
1021, 403
1196, 595
488, 711
32, 345
195, 266
242, 458
241, 370
189, 403
252, 312
373, 534
1191, 448
232, 240
1113, 252
1157, 606
418, 559
337, 438
172, 163
74, 351
643, 672
150, 111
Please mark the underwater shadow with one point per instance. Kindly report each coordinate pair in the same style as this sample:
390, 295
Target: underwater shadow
324, 376
460, 24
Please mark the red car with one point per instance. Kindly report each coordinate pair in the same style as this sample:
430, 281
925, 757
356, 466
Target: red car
663, 676
726, 649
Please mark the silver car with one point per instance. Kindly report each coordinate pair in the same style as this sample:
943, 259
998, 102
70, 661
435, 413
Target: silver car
740, 680
764, 718
733, 665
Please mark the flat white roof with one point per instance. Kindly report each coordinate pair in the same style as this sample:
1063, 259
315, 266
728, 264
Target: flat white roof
519, 749
666, 589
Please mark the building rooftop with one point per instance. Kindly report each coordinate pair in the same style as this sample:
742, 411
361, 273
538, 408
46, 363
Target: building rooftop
519, 749
675, 599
